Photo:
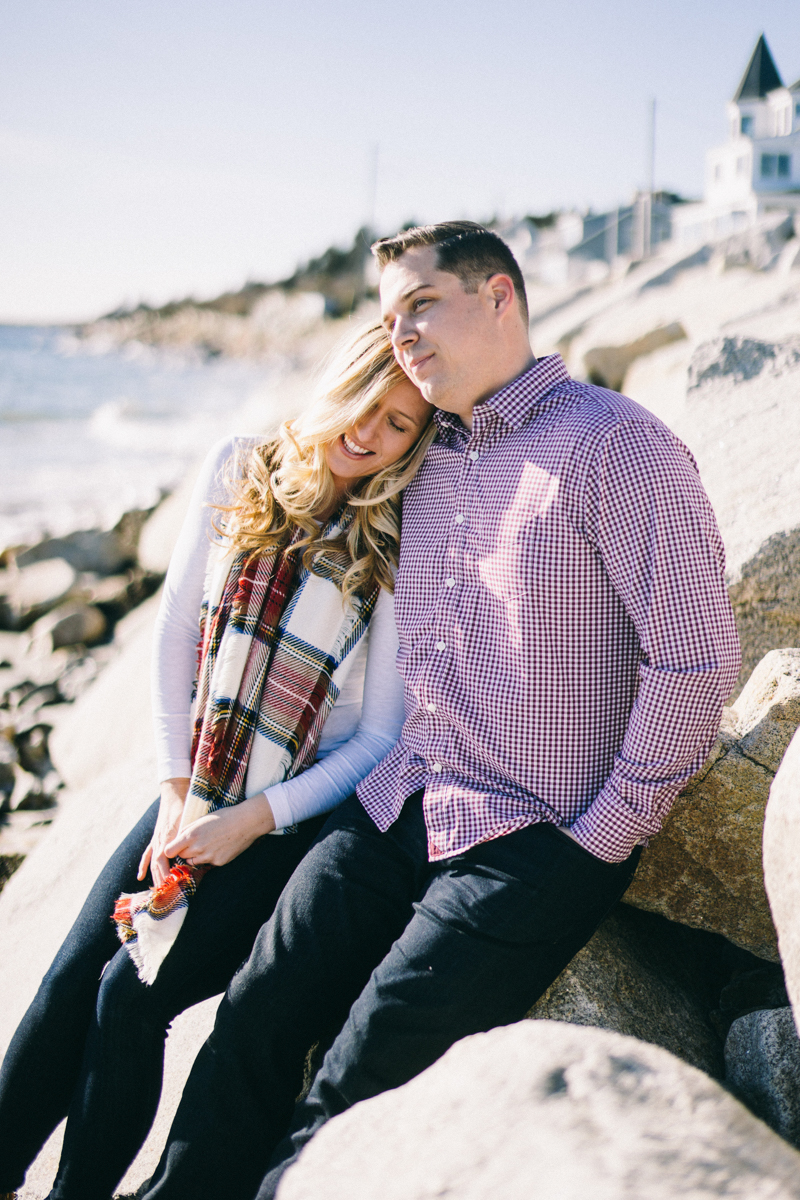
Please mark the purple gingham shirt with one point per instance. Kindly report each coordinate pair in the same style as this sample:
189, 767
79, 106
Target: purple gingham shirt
566, 639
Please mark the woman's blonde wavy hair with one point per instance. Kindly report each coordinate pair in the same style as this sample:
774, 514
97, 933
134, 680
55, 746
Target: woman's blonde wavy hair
286, 482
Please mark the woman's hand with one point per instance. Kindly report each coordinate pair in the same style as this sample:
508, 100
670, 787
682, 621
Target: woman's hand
170, 811
223, 835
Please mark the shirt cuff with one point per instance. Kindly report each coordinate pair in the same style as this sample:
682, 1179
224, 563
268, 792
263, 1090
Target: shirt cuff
609, 830
279, 804
175, 768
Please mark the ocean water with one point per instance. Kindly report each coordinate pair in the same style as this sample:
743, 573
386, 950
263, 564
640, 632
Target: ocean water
88, 432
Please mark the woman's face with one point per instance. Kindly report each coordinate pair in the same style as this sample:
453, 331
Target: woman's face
381, 438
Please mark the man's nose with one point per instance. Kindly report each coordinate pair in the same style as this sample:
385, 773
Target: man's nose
403, 333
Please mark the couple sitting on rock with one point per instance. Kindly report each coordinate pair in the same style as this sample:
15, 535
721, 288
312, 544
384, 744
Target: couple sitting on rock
497, 711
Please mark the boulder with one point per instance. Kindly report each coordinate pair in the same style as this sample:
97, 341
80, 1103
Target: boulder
30, 591
70, 625
160, 531
544, 1109
782, 865
113, 717
20, 833
704, 867
758, 247
116, 595
738, 415
646, 977
102, 551
608, 365
789, 257
762, 1068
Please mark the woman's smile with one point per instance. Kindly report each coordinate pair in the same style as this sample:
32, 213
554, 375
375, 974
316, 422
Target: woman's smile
352, 447
380, 437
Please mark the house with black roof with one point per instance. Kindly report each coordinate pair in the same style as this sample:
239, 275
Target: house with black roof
757, 170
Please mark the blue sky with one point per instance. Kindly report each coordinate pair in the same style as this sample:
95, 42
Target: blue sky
151, 150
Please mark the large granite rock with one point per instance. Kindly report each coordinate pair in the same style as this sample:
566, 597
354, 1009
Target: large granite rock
762, 1067
704, 868
646, 977
738, 413
782, 865
160, 532
758, 247
113, 718
608, 365
543, 1109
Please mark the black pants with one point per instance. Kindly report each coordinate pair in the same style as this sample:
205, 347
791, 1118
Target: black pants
95, 1048
396, 958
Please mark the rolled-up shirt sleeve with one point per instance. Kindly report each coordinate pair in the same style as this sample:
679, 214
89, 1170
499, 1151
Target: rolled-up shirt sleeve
648, 517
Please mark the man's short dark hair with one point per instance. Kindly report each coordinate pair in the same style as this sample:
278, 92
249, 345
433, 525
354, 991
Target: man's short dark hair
464, 249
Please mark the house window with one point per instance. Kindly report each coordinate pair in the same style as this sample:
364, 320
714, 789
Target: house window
797, 110
769, 165
717, 171
784, 166
741, 165
746, 127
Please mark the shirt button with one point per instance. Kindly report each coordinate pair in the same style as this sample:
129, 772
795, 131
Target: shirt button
431, 707
460, 519
440, 645
473, 455
449, 582
437, 768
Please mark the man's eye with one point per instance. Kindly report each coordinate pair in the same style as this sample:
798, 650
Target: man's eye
422, 300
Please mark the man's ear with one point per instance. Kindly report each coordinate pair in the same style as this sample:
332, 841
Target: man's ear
500, 293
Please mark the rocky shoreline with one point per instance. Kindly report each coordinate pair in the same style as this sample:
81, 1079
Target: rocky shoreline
60, 603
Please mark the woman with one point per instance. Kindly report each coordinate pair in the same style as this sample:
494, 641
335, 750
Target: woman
304, 540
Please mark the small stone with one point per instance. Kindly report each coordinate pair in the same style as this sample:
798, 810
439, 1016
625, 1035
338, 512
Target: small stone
33, 749
762, 1067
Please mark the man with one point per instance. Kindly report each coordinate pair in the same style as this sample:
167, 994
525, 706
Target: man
566, 643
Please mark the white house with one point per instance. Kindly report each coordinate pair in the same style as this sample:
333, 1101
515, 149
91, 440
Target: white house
758, 169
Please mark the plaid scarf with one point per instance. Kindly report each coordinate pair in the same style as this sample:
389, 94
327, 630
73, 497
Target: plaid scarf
275, 649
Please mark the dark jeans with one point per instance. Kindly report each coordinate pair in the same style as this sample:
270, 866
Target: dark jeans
397, 956
94, 1048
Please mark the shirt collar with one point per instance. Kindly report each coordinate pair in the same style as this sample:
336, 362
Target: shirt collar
515, 402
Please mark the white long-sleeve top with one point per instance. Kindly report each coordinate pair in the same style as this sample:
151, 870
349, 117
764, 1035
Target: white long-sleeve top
366, 719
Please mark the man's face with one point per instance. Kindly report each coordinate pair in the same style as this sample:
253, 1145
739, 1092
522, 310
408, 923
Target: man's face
445, 339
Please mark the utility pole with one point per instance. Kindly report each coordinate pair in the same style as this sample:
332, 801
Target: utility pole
647, 214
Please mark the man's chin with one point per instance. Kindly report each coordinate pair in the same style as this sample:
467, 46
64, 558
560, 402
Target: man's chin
433, 392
